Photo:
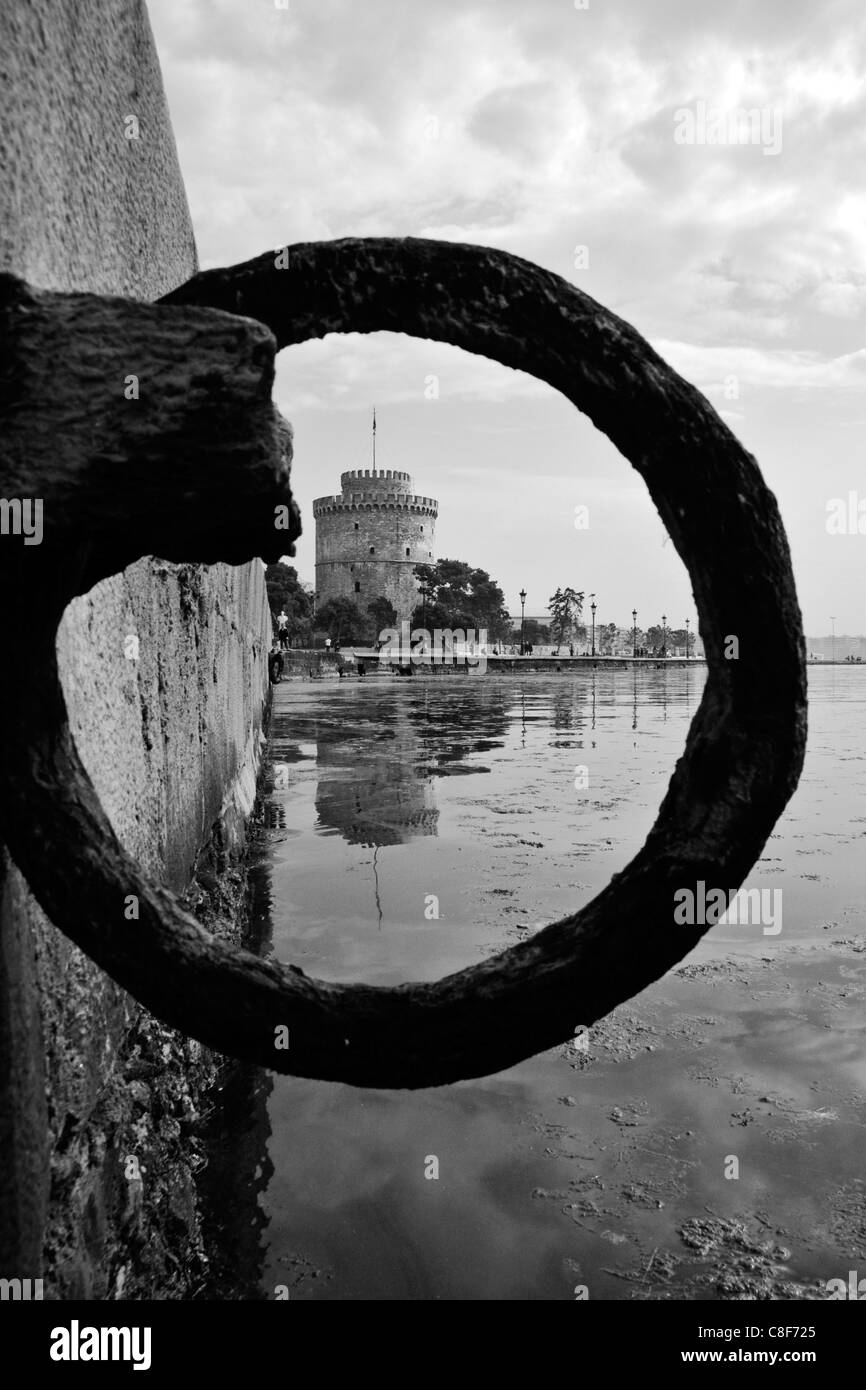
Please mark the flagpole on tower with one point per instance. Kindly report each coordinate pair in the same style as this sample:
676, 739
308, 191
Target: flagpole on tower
374, 439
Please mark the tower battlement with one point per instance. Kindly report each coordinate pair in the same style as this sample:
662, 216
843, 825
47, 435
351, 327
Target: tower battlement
374, 479
376, 502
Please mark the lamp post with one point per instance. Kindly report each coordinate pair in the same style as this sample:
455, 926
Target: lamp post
592, 608
634, 632
424, 606
664, 635
688, 638
522, 619
833, 640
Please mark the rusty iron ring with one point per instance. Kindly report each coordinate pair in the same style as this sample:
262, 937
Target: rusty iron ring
743, 754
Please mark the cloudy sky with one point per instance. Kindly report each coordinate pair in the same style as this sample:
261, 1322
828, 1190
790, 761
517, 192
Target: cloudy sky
540, 127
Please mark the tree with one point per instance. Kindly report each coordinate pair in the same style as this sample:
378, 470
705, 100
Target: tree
383, 615
565, 609
606, 636
557, 609
460, 596
535, 632
342, 620
286, 592
282, 585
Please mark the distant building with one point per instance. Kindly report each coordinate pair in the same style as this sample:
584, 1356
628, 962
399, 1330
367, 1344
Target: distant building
543, 618
370, 538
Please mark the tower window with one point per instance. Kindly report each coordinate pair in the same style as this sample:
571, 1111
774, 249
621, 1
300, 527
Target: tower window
372, 550
430, 553
407, 550
422, 530
357, 587
356, 526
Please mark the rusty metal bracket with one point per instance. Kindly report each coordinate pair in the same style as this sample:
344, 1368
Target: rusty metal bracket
207, 472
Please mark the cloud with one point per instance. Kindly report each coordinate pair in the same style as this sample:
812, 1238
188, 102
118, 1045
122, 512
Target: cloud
538, 128
352, 370
840, 298
709, 367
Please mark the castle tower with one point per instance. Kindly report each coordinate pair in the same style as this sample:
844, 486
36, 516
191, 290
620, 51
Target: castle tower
371, 537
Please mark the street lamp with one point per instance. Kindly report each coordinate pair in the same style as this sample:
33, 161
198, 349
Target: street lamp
424, 606
688, 638
664, 634
522, 619
634, 632
592, 607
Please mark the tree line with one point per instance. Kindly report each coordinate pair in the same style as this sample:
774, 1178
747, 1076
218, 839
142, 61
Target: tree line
454, 595
568, 626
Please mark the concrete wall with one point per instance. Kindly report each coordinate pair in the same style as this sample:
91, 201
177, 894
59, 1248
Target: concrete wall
310, 665
171, 740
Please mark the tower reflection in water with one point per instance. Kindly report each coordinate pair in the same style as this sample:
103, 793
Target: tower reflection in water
375, 766
377, 771
370, 788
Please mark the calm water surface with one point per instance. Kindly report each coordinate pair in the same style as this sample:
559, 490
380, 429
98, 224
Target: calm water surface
399, 799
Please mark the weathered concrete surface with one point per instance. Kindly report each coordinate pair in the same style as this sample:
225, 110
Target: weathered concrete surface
83, 207
171, 741
309, 665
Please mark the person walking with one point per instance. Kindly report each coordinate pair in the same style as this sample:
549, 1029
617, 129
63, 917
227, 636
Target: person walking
275, 665
283, 628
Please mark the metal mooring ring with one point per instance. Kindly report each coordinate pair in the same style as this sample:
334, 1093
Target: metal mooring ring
743, 754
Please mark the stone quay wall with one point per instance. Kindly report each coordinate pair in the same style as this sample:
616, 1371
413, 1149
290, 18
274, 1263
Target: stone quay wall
92, 1088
